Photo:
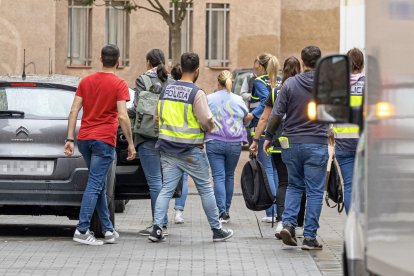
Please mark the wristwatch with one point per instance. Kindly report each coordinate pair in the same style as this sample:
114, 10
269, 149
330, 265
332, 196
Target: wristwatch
69, 140
255, 140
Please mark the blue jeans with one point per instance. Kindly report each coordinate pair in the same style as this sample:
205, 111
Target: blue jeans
151, 165
223, 158
346, 160
180, 201
98, 156
306, 164
193, 162
271, 174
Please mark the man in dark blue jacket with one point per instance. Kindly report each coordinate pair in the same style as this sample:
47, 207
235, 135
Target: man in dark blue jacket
305, 151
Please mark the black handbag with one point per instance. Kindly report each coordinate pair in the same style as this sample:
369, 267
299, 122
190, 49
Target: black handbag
334, 186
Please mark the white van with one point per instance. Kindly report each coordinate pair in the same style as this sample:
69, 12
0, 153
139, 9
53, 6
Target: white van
379, 232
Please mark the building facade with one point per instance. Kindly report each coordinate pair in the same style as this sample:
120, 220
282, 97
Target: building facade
65, 37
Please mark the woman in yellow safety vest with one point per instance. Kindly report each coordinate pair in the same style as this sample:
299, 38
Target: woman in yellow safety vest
347, 136
291, 67
266, 68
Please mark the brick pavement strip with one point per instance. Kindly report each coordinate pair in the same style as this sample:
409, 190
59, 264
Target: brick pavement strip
189, 249
46, 246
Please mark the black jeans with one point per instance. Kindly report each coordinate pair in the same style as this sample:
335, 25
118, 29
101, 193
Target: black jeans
281, 190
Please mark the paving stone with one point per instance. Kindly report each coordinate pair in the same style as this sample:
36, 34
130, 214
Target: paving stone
44, 245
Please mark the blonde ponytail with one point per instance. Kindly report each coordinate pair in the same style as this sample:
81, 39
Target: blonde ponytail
272, 70
229, 85
225, 80
271, 64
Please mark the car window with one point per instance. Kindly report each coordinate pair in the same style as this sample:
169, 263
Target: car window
239, 81
37, 102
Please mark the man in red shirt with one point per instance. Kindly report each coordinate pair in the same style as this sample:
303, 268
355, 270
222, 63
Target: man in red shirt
103, 97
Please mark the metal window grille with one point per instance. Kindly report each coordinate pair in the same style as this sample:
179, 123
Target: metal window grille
217, 35
79, 34
186, 30
117, 24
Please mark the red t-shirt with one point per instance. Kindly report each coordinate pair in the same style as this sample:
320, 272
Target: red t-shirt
100, 92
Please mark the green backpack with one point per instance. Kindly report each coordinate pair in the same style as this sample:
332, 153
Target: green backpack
146, 106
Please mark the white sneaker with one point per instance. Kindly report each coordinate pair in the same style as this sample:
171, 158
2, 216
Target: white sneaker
299, 232
87, 238
268, 219
178, 217
110, 237
279, 228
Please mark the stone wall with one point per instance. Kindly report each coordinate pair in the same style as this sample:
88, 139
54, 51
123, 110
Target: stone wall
309, 22
281, 27
30, 25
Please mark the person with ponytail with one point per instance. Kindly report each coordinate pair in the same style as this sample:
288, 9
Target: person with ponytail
176, 72
266, 68
291, 67
148, 154
224, 144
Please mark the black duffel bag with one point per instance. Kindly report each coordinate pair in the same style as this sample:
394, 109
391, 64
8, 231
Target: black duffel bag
255, 186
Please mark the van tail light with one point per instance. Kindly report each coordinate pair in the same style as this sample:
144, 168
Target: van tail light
312, 110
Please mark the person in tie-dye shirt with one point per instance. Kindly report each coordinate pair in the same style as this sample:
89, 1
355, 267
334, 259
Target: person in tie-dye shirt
223, 145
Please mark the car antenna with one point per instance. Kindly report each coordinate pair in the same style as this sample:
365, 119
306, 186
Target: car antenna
24, 64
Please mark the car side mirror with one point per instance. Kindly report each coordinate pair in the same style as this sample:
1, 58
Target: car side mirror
331, 91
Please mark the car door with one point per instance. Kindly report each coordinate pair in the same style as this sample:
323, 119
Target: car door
130, 178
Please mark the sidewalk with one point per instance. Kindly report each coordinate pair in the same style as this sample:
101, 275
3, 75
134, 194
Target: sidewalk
189, 249
43, 245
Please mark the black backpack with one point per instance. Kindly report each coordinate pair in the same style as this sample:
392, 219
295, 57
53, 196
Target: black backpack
255, 186
334, 186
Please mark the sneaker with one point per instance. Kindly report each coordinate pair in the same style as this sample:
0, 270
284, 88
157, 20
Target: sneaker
299, 232
110, 237
164, 231
311, 244
156, 234
279, 228
146, 232
87, 238
224, 218
288, 235
268, 219
178, 217
222, 234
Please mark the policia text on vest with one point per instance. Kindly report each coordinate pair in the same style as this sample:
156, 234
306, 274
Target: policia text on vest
176, 92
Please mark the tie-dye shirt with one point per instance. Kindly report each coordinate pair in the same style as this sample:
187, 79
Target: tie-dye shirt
228, 112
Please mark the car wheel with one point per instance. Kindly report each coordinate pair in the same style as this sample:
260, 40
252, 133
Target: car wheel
120, 206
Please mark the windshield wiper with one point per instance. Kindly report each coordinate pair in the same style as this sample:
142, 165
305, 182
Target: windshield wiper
11, 113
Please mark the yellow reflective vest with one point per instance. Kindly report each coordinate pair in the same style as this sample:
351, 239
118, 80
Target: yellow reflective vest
254, 100
177, 122
349, 131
